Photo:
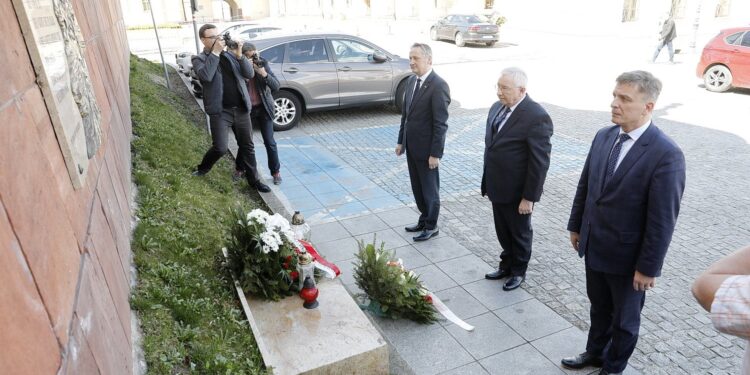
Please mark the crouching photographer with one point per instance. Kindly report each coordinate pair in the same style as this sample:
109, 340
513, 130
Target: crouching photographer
226, 101
261, 88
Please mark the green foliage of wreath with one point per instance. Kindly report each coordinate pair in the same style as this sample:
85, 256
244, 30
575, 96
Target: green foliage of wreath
265, 274
392, 291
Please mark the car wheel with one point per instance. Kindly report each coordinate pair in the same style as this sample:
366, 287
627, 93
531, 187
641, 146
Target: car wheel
287, 111
717, 78
460, 40
400, 93
490, 44
433, 34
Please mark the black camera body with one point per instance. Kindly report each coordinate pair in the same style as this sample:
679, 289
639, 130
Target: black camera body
257, 60
229, 42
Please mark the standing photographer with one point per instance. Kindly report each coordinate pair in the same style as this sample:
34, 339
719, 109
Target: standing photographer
260, 88
226, 100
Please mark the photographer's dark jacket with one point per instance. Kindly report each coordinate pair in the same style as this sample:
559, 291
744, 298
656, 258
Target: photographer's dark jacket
206, 66
266, 86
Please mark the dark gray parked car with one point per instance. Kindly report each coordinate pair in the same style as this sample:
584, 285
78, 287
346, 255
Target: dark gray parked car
330, 71
464, 29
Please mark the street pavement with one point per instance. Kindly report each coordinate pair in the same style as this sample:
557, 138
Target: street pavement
572, 76
676, 335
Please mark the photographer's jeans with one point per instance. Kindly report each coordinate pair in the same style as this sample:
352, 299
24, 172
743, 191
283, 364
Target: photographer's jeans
238, 121
262, 120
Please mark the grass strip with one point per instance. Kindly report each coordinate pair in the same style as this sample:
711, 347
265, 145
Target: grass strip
191, 319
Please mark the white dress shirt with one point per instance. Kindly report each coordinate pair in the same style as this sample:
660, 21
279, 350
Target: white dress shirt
627, 145
510, 110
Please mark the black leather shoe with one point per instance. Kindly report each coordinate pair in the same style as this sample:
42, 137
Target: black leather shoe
415, 228
261, 187
426, 234
513, 283
199, 173
497, 274
582, 360
605, 372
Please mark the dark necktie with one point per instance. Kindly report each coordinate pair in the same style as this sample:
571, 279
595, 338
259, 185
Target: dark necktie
499, 120
612, 162
416, 91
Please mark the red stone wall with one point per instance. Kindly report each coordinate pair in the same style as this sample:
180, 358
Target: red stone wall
64, 253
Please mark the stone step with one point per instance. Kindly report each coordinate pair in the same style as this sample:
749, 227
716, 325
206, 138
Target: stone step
334, 338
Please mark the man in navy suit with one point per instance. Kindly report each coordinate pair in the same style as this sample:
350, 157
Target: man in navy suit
424, 123
622, 220
516, 158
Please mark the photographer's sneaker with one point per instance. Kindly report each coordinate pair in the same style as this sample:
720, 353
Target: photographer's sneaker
277, 178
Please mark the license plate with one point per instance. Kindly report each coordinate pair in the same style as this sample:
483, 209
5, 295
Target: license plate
487, 36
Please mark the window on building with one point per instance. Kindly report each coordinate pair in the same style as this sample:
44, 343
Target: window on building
630, 11
146, 5
678, 8
722, 8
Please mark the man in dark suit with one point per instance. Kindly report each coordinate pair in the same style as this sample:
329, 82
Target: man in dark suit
622, 220
424, 123
227, 102
516, 158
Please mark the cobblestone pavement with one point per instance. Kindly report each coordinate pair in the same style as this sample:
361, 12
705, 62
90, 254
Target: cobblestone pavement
676, 335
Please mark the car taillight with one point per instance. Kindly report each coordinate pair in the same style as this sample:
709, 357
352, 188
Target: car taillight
473, 28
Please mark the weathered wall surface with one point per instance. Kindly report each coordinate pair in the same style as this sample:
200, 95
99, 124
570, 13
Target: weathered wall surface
64, 252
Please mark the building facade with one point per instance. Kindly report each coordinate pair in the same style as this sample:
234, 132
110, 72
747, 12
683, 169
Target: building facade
64, 239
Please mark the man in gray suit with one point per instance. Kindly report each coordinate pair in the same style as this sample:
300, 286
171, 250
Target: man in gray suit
424, 123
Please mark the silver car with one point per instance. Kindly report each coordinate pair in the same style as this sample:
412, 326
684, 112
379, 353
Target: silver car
330, 71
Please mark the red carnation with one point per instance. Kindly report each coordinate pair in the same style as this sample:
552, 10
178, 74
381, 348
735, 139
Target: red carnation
428, 298
285, 265
288, 258
294, 275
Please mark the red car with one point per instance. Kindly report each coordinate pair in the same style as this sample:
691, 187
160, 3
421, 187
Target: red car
725, 61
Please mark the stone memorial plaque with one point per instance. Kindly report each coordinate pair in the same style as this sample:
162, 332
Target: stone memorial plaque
56, 47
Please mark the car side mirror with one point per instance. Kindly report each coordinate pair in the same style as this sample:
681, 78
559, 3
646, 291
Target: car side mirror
379, 57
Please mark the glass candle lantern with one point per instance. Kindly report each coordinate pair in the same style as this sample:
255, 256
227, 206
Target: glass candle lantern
299, 227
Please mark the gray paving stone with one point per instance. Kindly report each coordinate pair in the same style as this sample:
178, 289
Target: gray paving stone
328, 232
411, 257
520, 361
465, 269
490, 336
358, 137
430, 351
364, 224
433, 278
400, 217
440, 248
461, 303
566, 343
473, 368
491, 294
532, 319
347, 270
338, 250
388, 236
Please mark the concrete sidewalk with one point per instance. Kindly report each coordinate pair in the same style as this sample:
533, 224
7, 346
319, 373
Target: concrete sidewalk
515, 333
